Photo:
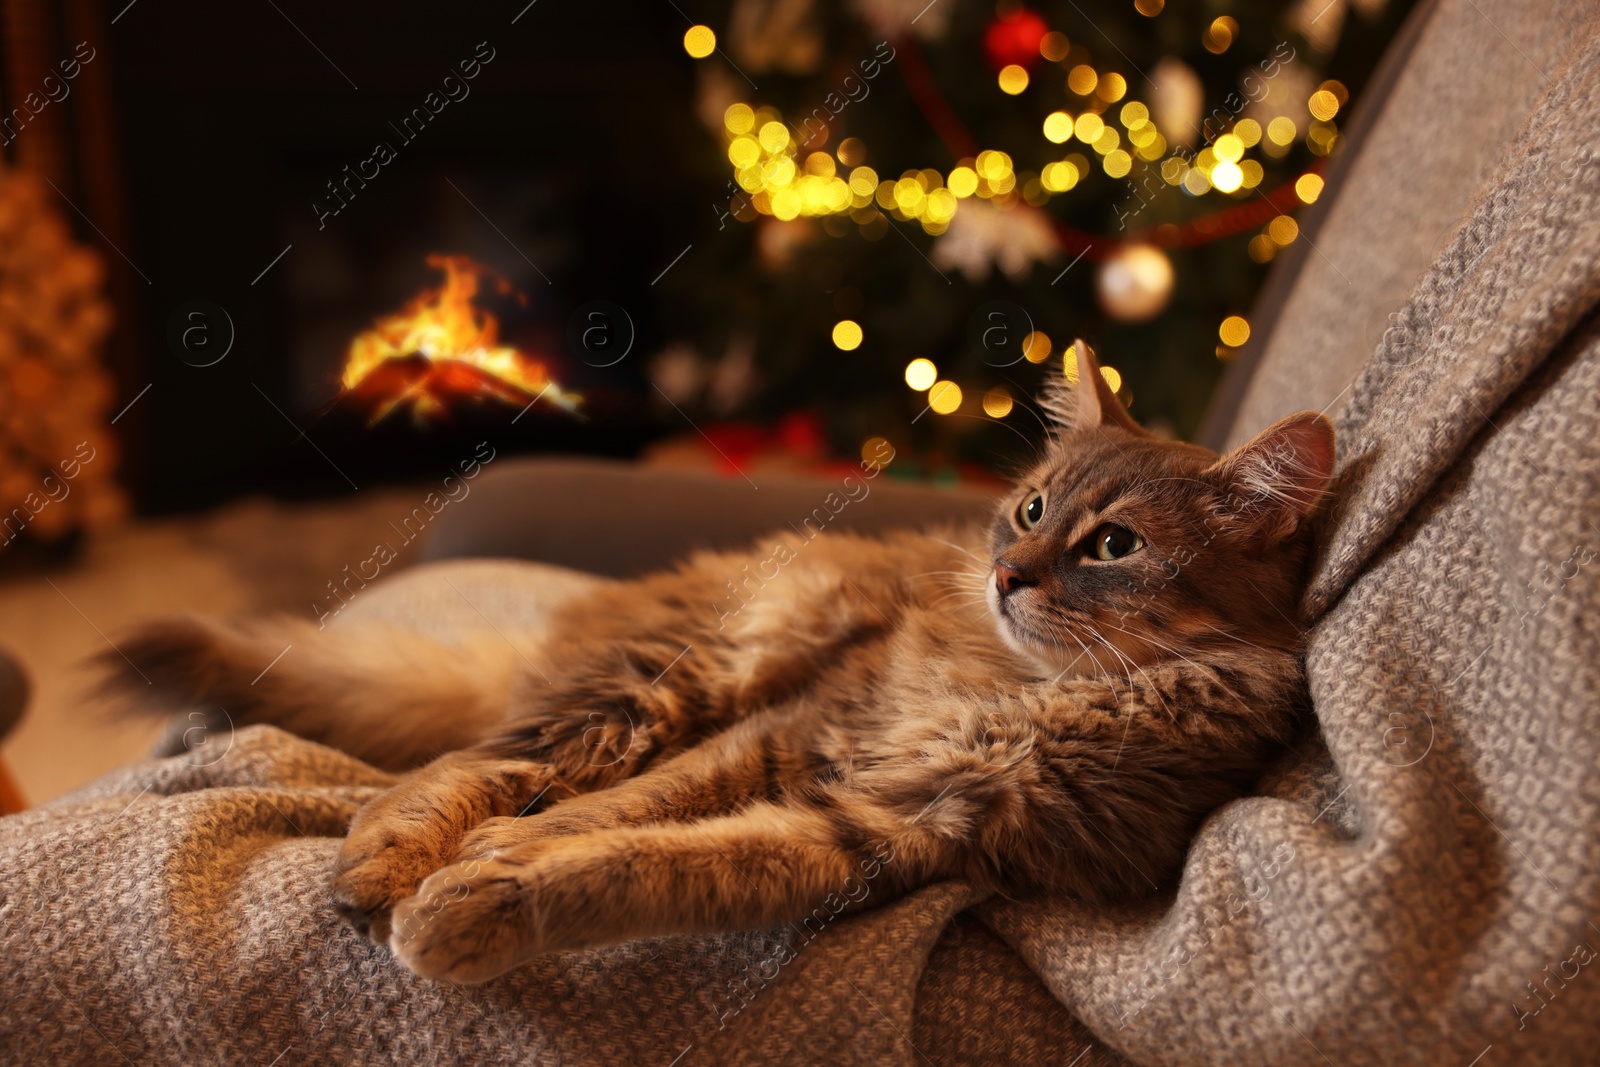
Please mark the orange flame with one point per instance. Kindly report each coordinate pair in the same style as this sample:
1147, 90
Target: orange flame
442, 324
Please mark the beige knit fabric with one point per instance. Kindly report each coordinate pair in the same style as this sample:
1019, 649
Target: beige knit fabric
1419, 884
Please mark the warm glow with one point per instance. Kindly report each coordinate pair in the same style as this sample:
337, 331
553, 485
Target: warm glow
1308, 187
997, 402
963, 181
443, 326
1082, 79
944, 397
1227, 177
1282, 130
739, 118
921, 373
1036, 346
699, 42
1089, 127
1013, 79
1323, 105
877, 452
1283, 229
1234, 331
846, 334
1112, 376
1057, 127
774, 136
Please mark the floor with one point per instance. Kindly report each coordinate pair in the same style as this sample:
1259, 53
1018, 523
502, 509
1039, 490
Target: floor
253, 556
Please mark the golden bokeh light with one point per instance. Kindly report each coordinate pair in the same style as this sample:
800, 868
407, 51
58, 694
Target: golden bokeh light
1054, 46
699, 41
1282, 130
852, 152
774, 136
1058, 177
921, 373
1058, 127
739, 118
863, 182
1226, 177
1283, 230
1308, 187
1082, 79
1089, 127
1248, 131
877, 452
846, 333
1234, 331
997, 402
1228, 148
1036, 346
1134, 115
944, 397
1112, 376
1219, 36
1149, 8
1323, 105
1013, 79
1118, 163
820, 164
963, 181
744, 152
1111, 88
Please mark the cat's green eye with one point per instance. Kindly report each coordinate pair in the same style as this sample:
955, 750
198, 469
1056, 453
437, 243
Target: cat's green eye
1031, 510
1114, 542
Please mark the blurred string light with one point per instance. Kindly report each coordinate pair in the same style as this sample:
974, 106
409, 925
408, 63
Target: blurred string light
847, 335
921, 373
1234, 331
944, 397
1013, 79
780, 178
699, 41
997, 402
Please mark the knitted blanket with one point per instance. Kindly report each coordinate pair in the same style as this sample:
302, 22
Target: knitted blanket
1420, 882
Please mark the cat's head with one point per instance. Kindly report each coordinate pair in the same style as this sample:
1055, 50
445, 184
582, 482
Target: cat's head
1120, 548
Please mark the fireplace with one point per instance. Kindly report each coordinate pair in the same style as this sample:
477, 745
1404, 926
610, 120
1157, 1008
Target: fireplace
317, 188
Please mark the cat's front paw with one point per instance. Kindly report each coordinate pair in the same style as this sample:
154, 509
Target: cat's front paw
469, 922
379, 865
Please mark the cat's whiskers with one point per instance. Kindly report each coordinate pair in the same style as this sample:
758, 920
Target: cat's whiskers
1107, 643
1168, 648
1233, 636
1067, 630
965, 551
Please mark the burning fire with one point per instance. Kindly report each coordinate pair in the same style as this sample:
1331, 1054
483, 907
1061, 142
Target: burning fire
457, 342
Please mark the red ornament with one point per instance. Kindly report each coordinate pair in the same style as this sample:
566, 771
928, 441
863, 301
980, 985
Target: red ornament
1014, 38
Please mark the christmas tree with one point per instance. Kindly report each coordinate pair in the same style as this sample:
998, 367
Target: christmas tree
922, 204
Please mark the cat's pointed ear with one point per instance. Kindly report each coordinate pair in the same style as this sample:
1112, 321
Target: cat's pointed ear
1274, 482
1084, 400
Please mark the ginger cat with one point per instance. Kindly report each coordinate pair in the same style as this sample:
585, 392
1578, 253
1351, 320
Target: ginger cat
685, 769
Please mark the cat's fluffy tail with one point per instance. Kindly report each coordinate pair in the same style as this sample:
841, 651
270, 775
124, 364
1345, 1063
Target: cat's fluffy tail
384, 694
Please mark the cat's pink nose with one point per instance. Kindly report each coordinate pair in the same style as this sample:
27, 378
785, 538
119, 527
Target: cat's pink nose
1007, 578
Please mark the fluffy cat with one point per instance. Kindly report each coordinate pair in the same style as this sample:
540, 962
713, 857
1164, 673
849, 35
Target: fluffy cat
673, 769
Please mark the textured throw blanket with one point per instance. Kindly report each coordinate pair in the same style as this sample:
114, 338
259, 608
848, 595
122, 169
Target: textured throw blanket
1419, 883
